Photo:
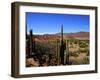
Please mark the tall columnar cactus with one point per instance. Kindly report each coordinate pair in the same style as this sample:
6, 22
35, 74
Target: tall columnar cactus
50, 57
62, 47
34, 44
58, 53
27, 44
67, 49
26, 32
31, 43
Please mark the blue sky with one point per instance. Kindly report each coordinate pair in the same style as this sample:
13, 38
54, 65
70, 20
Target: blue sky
47, 23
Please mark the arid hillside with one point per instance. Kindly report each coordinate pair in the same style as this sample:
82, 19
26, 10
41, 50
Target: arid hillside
52, 37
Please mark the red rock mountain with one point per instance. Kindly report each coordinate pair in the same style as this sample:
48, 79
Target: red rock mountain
51, 37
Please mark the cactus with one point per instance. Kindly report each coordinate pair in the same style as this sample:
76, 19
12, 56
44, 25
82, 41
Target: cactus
58, 54
31, 43
67, 51
62, 47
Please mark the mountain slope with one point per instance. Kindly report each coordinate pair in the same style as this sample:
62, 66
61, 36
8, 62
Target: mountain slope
77, 35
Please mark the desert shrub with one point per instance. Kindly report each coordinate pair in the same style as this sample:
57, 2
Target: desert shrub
83, 45
72, 62
45, 47
71, 46
72, 54
88, 53
85, 60
75, 42
84, 50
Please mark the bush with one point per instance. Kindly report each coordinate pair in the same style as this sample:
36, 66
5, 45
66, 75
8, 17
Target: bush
85, 60
84, 50
73, 54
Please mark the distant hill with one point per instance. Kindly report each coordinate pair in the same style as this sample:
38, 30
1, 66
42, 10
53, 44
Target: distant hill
51, 37
78, 35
